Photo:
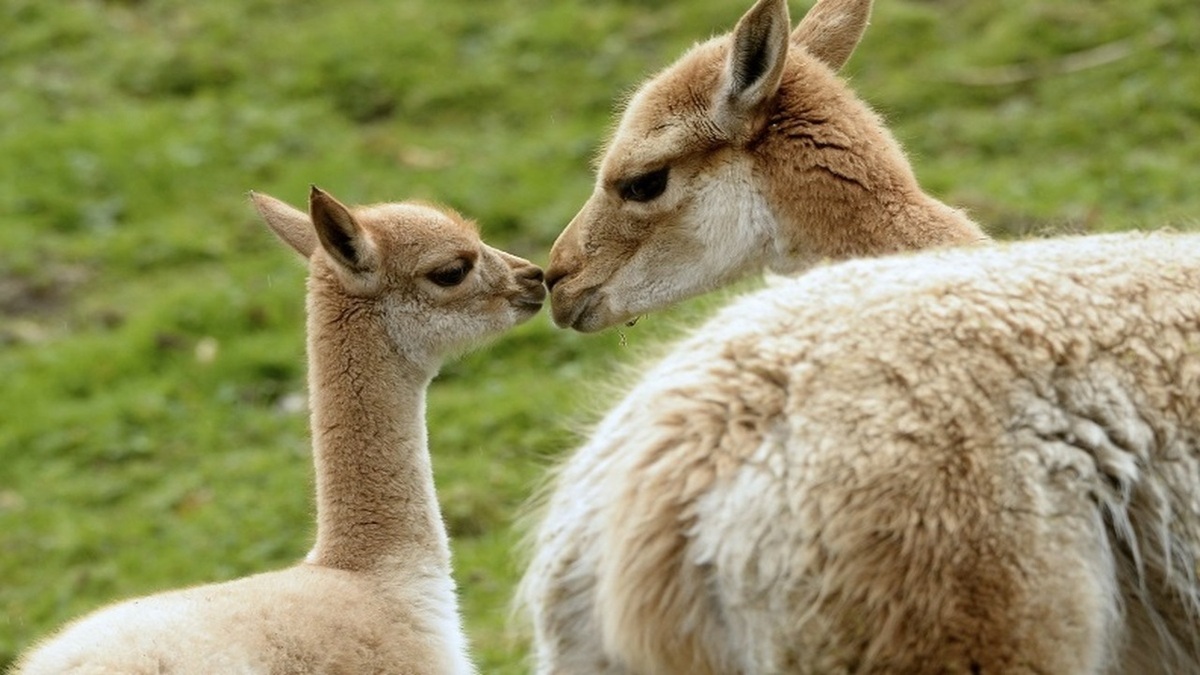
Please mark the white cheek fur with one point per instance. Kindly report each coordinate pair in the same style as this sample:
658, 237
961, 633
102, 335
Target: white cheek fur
728, 222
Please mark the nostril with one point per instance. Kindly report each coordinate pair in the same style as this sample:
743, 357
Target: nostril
535, 274
553, 276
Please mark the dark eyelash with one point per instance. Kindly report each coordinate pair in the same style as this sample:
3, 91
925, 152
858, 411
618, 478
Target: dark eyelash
645, 187
451, 276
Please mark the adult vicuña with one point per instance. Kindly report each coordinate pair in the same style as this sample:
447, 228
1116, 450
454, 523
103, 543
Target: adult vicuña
976, 460
748, 153
392, 290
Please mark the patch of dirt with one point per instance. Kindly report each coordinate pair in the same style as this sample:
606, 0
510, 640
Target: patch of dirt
27, 301
23, 295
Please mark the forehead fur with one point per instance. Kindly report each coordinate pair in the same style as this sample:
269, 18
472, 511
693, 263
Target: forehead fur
417, 230
669, 115
415, 218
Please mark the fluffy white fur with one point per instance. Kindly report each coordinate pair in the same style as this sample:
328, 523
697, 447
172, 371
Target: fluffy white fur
969, 461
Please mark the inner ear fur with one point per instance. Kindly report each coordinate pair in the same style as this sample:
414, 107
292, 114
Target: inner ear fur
754, 66
339, 233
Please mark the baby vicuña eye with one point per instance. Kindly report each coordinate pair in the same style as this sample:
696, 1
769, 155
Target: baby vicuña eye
645, 187
452, 275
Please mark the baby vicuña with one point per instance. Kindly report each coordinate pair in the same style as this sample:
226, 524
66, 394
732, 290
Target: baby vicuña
393, 289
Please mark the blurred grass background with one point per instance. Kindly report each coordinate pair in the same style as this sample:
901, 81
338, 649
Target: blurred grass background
152, 431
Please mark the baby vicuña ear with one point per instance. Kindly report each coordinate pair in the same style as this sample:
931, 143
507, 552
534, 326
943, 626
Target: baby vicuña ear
290, 224
339, 233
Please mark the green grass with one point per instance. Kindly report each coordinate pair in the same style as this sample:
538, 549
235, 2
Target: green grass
151, 345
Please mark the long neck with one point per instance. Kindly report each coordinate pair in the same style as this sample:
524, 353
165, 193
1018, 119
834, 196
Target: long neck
840, 185
376, 504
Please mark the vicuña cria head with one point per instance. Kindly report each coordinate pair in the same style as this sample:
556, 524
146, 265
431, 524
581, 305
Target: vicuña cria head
424, 269
748, 153
392, 290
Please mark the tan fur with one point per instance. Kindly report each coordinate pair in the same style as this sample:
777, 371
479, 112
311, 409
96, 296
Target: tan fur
966, 461
375, 594
777, 173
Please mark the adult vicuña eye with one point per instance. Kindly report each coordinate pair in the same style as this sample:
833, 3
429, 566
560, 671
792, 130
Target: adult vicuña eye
645, 187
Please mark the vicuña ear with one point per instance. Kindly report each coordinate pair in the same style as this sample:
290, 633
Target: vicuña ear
832, 29
755, 63
339, 233
290, 224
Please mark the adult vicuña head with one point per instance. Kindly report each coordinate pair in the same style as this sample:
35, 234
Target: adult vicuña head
748, 153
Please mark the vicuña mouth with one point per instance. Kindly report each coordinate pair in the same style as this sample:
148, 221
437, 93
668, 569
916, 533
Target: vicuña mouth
579, 310
529, 303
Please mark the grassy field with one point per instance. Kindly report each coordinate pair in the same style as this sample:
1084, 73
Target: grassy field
152, 432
